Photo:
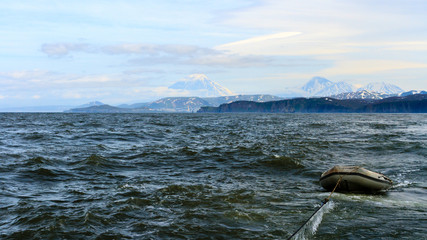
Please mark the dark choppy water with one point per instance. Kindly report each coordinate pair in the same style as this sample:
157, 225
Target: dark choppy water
213, 176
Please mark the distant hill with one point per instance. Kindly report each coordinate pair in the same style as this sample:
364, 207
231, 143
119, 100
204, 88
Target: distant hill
192, 104
175, 104
408, 104
228, 99
91, 104
179, 104
134, 105
108, 109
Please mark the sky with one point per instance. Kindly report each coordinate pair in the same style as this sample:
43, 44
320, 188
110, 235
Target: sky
73, 52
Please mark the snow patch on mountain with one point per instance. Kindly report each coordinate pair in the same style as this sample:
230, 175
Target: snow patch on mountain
199, 85
361, 95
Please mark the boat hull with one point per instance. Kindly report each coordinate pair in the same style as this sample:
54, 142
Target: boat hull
354, 179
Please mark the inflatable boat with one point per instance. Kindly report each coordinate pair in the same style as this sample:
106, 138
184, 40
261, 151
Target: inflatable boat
354, 179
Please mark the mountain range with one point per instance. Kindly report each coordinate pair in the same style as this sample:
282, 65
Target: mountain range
321, 87
200, 85
174, 104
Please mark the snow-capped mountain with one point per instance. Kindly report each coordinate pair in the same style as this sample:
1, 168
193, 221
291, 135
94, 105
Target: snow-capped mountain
381, 87
412, 92
319, 86
360, 95
322, 87
199, 85
315, 85
336, 88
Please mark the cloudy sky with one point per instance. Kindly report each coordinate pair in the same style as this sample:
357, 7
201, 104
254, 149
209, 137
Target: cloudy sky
73, 52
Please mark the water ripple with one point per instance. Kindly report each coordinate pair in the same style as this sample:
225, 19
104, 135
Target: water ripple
206, 176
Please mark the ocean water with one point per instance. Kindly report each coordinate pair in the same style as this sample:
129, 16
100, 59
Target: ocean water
207, 176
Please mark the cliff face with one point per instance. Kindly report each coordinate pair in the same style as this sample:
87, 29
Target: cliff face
414, 103
408, 104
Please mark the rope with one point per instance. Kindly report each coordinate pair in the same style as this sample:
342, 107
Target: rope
326, 200
338, 183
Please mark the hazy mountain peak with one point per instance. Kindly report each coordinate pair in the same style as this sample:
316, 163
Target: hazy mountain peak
200, 85
319, 86
91, 104
316, 84
381, 87
197, 76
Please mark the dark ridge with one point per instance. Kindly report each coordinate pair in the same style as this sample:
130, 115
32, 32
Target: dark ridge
407, 104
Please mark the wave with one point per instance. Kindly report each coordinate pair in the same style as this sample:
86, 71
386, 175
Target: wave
95, 161
189, 190
36, 161
35, 136
282, 162
44, 174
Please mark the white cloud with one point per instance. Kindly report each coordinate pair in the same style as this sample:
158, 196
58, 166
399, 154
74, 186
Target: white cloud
406, 46
157, 54
26, 74
293, 45
157, 49
259, 39
63, 49
87, 79
231, 60
356, 67
349, 17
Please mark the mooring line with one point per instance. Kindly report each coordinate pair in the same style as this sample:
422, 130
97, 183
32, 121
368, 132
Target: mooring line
324, 201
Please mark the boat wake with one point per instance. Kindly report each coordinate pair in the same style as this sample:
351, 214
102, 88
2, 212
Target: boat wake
311, 226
